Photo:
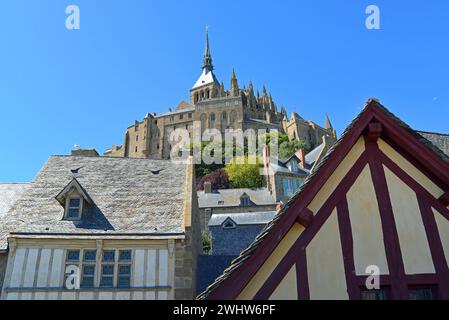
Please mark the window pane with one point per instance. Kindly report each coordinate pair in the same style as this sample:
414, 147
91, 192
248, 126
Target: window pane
88, 270
87, 282
73, 213
74, 203
125, 255
108, 270
124, 270
373, 295
90, 255
109, 256
421, 294
107, 282
124, 281
73, 255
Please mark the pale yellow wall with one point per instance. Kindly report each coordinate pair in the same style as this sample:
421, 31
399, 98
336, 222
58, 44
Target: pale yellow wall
287, 289
337, 176
271, 263
326, 273
412, 235
443, 228
369, 248
411, 170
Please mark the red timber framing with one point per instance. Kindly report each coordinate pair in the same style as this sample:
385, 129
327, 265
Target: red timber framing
373, 123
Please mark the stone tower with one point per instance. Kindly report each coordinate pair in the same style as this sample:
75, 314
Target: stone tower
207, 86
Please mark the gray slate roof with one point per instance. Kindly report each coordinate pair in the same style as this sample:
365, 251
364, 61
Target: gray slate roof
440, 140
244, 218
128, 198
231, 197
9, 193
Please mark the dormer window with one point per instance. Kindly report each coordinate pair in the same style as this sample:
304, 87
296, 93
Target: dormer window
229, 224
74, 199
74, 208
245, 201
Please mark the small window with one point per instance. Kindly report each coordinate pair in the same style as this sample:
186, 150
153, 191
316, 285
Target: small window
137, 138
374, 295
74, 208
73, 256
190, 115
124, 269
229, 224
88, 269
421, 293
245, 202
136, 149
107, 269
220, 202
181, 116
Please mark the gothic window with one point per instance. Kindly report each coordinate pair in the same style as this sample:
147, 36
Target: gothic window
203, 121
207, 94
211, 120
224, 116
233, 117
197, 97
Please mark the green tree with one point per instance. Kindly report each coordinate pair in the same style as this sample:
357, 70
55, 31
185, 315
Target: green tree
287, 149
207, 242
243, 174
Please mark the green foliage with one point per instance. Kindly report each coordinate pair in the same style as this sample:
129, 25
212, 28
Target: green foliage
287, 149
243, 174
207, 242
280, 136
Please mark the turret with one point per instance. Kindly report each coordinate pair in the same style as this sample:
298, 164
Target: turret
235, 91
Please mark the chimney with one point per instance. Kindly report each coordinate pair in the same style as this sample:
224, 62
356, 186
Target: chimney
207, 187
79, 152
301, 154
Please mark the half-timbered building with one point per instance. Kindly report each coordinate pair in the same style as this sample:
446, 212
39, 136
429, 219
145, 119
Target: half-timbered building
371, 222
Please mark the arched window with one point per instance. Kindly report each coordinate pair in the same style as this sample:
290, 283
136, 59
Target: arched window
197, 97
224, 116
207, 94
233, 118
203, 119
212, 120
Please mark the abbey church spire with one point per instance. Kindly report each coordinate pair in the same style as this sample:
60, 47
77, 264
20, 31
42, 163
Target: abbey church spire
207, 57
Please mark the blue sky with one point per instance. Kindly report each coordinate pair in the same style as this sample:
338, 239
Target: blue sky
59, 88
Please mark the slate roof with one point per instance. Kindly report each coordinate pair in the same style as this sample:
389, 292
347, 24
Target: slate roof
244, 218
205, 78
209, 268
9, 193
128, 198
247, 253
440, 140
313, 155
231, 197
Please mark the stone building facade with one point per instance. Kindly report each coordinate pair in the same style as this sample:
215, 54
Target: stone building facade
214, 107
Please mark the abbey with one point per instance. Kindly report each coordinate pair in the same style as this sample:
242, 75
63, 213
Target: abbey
216, 108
